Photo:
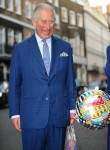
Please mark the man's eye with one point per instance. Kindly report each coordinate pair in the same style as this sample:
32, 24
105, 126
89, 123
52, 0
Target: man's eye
51, 22
45, 22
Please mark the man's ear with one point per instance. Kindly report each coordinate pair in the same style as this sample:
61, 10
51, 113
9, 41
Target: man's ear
34, 22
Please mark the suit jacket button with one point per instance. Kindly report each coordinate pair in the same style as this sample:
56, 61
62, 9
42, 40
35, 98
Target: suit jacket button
47, 99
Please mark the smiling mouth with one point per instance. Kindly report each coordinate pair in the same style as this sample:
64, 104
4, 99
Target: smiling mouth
46, 32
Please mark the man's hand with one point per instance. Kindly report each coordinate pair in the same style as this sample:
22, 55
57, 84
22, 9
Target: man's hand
72, 118
16, 123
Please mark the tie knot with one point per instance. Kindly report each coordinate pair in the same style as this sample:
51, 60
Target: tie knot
44, 41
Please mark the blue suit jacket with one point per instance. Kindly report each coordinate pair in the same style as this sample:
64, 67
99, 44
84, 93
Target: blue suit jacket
107, 71
33, 94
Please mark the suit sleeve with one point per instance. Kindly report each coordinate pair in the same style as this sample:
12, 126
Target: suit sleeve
107, 69
14, 84
71, 85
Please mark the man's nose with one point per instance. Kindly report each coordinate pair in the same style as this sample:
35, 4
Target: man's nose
47, 24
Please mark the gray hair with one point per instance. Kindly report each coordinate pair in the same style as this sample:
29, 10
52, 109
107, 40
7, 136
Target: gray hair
41, 6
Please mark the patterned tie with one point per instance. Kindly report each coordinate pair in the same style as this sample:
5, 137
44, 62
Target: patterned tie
46, 56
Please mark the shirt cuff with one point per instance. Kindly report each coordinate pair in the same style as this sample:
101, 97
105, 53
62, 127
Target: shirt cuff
15, 116
73, 111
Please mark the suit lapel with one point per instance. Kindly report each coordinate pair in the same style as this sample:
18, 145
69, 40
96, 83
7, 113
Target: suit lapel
37, 54
36, 51
54, 53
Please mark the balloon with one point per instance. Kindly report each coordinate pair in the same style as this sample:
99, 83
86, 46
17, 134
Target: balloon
93, 109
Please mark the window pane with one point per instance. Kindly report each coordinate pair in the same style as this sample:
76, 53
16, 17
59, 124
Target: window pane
65, 38
2, 3
77, 43
10, 37
2, 39
82, 48
18, 36
28, 9
73, 0
80, 20
50, 1
10, 5
56, 3
72, 17
18, 7
57, 21
64, 14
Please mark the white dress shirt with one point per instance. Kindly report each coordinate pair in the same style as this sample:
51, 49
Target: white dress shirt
40, 44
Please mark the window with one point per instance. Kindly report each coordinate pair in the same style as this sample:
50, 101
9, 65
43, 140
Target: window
18, 36
2, 39
73, 0
2, 3
10, 37
65, 38
33, 6
50, 1
28, 9
82, 48
57, 21
77, 43
18, 7
64, 14
56, 3
10, 5
79, 20
83, 2
71, 41
72, 17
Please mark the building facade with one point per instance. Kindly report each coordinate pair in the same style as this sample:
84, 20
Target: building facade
97, 39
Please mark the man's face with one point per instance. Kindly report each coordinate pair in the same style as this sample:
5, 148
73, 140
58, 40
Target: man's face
44, 24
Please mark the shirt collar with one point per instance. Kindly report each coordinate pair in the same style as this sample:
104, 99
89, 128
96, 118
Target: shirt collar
39, 39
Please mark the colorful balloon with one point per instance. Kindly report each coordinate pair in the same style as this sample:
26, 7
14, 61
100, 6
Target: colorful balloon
93, 109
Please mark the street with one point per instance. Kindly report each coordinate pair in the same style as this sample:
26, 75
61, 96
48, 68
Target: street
87, 139
10, 139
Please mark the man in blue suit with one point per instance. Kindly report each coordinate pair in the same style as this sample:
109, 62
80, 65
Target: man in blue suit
107, 71
42, 90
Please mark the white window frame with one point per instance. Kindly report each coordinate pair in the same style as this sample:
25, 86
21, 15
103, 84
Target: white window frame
71, 41
73, 0
56, 3
79, 20
11, 38
64, 14
77, 43
18, 7
82, 48
2, 39
28, 9
72, 17
2, 3
57, 21
65, 38
10, 5
50, 1
18, 36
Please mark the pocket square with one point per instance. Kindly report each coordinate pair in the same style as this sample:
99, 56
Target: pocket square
63, 54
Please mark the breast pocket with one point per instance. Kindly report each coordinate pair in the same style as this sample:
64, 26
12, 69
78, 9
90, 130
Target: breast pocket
63, 65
